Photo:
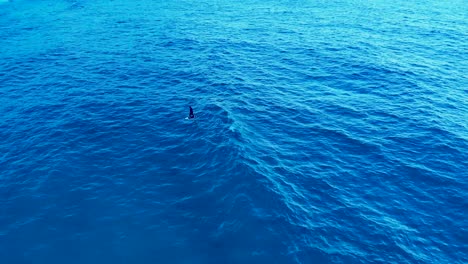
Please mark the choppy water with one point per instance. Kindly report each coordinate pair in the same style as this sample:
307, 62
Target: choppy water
326, 131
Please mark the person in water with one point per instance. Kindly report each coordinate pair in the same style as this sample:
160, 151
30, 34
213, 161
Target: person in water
191, 115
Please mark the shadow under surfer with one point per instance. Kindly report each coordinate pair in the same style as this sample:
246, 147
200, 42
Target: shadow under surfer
191, 115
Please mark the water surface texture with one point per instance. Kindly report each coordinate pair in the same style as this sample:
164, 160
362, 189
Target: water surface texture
325, 131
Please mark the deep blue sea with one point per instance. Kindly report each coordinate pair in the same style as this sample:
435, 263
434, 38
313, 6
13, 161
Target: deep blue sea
325, 131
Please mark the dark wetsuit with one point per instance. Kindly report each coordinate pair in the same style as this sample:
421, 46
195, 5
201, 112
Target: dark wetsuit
191, 115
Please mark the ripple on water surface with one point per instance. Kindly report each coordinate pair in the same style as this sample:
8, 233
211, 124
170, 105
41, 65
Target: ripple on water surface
325, 132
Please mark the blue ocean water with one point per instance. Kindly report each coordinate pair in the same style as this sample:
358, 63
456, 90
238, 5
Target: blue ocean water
325, 131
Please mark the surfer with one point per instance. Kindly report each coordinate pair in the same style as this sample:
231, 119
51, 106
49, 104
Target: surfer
191, 115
